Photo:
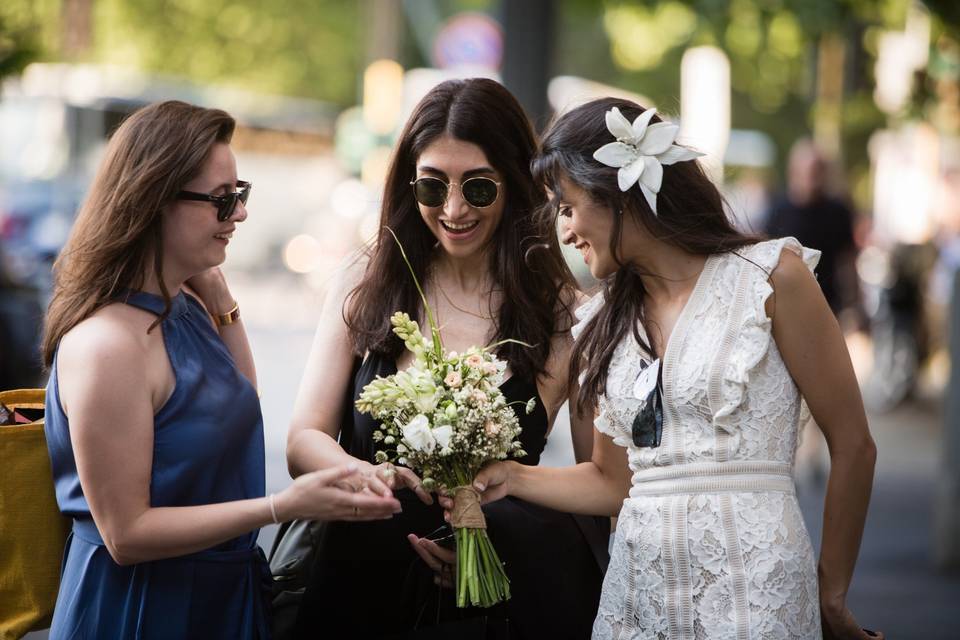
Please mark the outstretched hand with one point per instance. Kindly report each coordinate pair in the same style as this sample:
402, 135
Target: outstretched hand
319, 496
382, 479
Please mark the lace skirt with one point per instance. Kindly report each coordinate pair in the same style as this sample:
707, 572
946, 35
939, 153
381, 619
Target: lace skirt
694, 566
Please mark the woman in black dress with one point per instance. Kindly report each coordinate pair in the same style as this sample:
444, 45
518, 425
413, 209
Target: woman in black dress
460, 197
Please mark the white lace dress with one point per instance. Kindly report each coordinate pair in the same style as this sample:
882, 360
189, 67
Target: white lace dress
711, 542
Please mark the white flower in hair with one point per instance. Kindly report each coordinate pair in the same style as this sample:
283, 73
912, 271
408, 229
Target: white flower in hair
640, 152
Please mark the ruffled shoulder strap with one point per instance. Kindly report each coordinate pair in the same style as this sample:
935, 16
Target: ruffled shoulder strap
585, 313
746, 337
767, 254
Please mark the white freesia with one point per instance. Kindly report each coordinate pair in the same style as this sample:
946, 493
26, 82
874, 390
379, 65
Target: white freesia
418, 435
442, 435
424, 391
640, 151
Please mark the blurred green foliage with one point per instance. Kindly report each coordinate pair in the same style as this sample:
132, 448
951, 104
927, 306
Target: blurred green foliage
23, 36
772, 46
317, 48
310, 48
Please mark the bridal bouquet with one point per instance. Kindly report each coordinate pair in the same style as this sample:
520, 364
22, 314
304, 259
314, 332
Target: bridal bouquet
445, 417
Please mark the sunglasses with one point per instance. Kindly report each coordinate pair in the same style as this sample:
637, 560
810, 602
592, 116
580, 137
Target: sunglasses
479, 192
647, 427
225, 203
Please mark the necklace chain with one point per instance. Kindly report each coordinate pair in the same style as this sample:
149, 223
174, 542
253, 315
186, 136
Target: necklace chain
453, 304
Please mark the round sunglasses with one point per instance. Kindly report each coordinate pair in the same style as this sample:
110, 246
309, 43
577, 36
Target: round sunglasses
478, 192
225, 203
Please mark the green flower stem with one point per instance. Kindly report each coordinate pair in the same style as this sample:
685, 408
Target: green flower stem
434, 329
481, 579
461, 537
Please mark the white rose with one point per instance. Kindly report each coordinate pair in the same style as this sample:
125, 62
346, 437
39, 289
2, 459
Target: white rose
442, 434
417, 434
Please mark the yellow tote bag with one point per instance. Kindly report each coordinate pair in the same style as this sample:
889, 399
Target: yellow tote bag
32, 529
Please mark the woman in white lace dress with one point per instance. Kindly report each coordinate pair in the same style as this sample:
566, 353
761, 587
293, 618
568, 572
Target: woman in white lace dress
699, 357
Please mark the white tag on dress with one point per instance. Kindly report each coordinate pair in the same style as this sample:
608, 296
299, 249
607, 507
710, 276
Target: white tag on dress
646, 381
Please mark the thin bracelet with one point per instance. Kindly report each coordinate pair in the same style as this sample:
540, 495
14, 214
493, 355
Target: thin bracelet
273, 509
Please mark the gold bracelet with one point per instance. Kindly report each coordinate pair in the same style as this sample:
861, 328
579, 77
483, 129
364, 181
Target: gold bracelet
229, 317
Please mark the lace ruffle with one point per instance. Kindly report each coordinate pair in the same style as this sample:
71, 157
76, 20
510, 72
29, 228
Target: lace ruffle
755, 331
585, 313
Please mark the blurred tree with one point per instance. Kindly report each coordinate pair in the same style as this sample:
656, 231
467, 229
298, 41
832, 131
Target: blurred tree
17, 48
774, 47
310, 48
21, 34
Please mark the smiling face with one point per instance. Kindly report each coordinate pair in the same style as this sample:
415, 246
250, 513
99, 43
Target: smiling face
193, 239
463, 230
588, 226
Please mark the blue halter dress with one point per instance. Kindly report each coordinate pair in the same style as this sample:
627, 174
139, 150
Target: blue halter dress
208, 448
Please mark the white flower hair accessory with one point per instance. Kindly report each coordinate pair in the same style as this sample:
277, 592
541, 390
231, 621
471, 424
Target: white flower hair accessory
640, 152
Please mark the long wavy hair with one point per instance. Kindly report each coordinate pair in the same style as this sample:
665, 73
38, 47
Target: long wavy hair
690, 215
151, 157
530, 272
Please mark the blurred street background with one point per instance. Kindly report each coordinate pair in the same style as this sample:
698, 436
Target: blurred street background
836, 121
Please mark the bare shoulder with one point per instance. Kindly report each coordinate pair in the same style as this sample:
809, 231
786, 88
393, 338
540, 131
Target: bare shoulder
115, 332
790, 272
108, 357
346, 277
794, 286
561, 343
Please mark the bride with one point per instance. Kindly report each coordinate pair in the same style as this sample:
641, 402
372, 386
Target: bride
699, 358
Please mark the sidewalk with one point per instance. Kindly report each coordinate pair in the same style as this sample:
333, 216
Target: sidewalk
896, 588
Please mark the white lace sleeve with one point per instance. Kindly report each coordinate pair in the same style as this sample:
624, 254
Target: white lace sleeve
605, 419
755, 328
585, 313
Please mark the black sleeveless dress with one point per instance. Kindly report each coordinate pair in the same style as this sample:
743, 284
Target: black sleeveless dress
369, 583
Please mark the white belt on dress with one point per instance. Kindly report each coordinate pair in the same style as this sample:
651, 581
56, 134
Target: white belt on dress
713, 477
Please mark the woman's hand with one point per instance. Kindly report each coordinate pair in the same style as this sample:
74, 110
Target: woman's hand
492, 483
839, 624
441, 560
211, 286
381, 479
319, 496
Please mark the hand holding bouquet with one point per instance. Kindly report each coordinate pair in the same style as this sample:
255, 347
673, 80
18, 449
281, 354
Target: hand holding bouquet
445, 417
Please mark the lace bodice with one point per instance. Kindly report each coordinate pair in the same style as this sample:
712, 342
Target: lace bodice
711, 543
722, 341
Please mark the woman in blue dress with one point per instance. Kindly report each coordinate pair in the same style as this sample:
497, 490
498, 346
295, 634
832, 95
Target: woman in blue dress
153, 421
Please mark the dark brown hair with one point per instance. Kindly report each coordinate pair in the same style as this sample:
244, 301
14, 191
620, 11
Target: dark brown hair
150, 158
690, 215
530, 272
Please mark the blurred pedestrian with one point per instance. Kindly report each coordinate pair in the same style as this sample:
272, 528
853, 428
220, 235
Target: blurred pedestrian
152, 419
809, 213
